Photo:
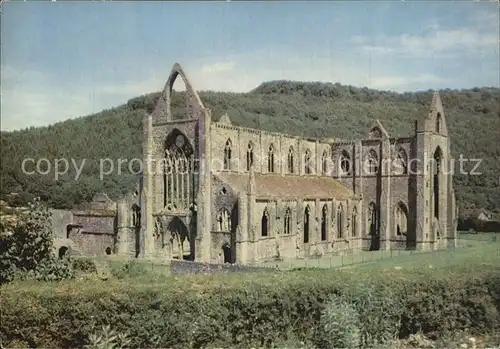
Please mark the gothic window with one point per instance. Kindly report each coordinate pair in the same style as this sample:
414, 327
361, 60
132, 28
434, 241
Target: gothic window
372, 162
324, 214
264, 226
340, 221
290, 160
270, 159
307, 216
307, 162
345, 163
324, 162
287, 221
438, 122
227, 155
249, 156
438, 156
401, 162
354, 222
136, 216
223, 221
176, 170
401, 220
372, 219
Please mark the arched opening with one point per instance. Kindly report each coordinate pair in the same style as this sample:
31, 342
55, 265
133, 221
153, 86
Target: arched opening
345, 163
375, 133
290, 160
401, 162
226, 250
307, 162
136, 216
264, 224
373, 226
178, 175
249, 156
179, 98
354, 222
372, 162
401, 219
438, 156
324, 215
224, 220
270, 159
108, 250
340, 221
181, 240
63, 252
287, 222
307, 212
324, 162
227, 155
438, 123
372, 219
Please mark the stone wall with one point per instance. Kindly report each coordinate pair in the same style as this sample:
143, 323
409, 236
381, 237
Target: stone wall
60, 221
187, 267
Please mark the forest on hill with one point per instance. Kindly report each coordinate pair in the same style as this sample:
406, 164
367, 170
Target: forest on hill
310, 109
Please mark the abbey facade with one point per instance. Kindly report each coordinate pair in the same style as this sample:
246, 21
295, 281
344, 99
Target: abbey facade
213, 191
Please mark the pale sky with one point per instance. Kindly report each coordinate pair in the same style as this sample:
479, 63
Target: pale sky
64, 60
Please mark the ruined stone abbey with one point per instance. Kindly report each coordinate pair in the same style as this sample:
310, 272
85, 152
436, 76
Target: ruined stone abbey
214, 191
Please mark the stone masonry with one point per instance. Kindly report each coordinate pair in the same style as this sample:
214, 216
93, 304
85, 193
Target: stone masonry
214, 191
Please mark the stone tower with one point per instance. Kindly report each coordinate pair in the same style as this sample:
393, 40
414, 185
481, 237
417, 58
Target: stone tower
432, 169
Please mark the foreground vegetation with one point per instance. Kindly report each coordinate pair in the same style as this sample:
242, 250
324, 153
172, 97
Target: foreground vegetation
324, 308
315, 308
306, 109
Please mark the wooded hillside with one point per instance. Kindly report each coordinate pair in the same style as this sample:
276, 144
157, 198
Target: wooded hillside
298, 108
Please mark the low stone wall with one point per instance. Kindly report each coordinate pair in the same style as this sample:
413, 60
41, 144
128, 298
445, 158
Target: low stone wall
187, 267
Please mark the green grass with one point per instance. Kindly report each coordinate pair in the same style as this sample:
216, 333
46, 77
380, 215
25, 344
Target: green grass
483, 247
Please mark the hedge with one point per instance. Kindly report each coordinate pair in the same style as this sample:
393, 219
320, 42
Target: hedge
245, 310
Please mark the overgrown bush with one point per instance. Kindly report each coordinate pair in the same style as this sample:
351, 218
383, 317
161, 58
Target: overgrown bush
253, 310
26, 248
339, 326
85, 265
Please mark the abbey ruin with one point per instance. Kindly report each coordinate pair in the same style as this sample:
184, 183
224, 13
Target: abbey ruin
214, 191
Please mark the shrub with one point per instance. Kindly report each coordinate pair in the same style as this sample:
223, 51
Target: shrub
26, 248
253, 309
339, 325
85, 265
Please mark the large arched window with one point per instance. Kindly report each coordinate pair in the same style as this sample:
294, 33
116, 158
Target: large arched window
291, 154
178, 182
270, 159
287, 228
264, 227
372, 162
345, 163
324, 162
307, 162
324, 215
307, 216
249, 155
354, 221
340, 221
227, 155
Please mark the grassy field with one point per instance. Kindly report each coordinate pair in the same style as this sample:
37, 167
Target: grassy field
483, 247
